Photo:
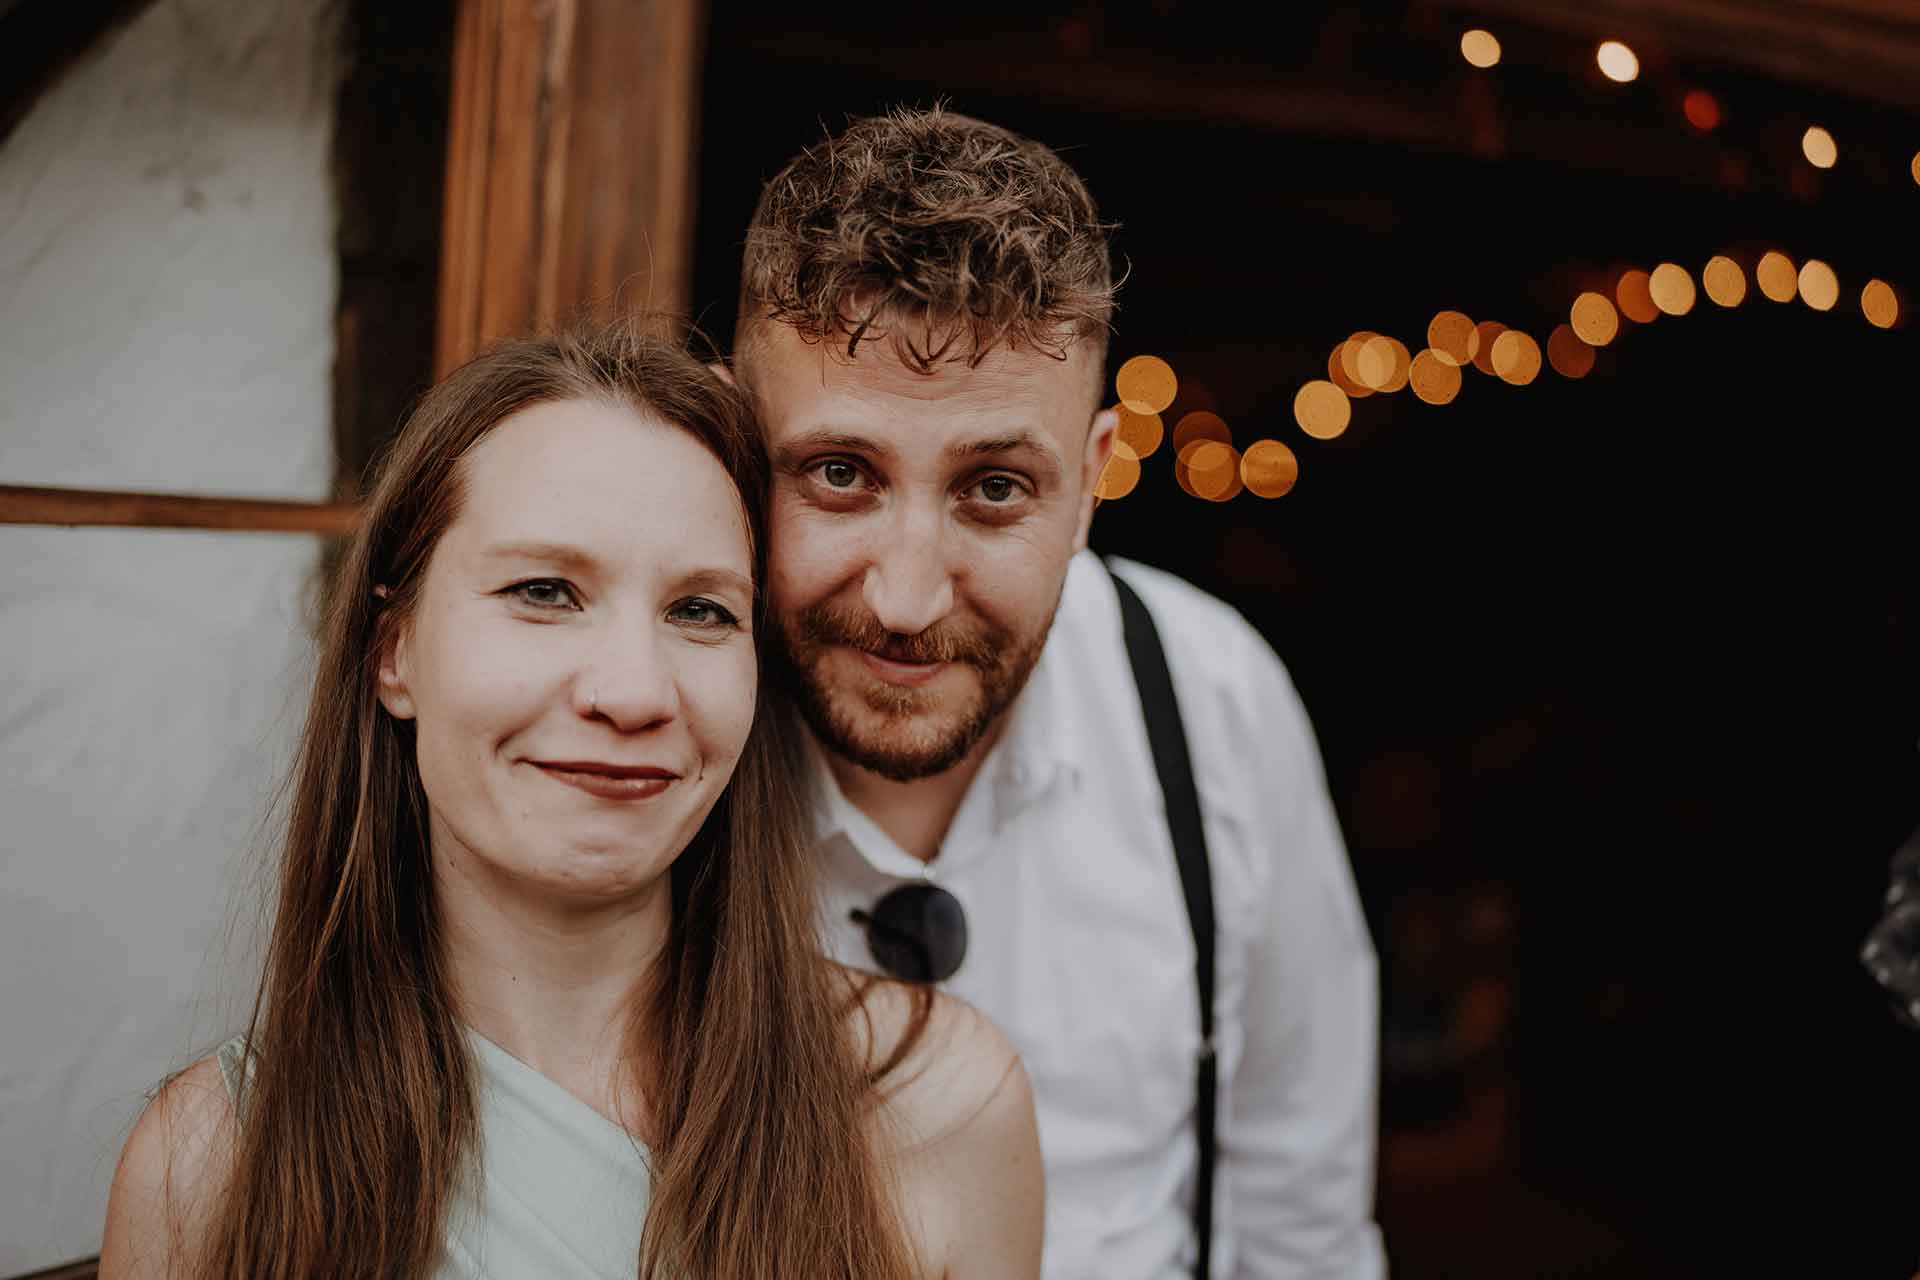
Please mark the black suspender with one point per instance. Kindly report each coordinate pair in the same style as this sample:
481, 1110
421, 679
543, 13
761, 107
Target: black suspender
1171, 760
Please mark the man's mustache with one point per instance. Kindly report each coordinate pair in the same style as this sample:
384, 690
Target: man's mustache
946, 641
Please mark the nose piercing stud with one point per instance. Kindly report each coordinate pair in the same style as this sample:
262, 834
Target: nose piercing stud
593, 701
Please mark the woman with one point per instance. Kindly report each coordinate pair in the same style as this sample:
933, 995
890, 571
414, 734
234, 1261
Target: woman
542, 996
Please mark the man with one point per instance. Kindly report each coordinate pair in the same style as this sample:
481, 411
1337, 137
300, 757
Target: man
923, 328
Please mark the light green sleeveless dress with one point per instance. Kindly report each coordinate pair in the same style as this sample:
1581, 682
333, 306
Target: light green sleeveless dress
562, 1189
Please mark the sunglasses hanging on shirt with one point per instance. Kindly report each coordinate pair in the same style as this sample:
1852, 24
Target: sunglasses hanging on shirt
917, 933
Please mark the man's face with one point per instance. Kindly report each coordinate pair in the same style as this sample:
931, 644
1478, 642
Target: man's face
922, 527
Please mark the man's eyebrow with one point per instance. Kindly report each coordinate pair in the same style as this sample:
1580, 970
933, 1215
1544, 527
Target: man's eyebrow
1013, 442
827, 440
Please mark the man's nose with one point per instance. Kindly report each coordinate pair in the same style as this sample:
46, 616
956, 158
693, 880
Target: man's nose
629, 680
909, 580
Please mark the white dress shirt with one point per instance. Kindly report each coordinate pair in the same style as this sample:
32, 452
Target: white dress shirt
1080, 949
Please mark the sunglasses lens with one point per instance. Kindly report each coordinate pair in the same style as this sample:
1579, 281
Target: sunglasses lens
918, 933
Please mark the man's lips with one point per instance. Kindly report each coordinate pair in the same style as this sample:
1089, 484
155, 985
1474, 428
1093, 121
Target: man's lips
906, 674
609, 781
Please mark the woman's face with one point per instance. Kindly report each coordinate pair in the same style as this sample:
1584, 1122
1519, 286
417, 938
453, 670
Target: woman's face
579, 666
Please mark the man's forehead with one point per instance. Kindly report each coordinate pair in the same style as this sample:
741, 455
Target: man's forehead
790, 362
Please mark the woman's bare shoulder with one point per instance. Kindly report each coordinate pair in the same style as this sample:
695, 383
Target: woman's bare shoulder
175, 1158
944, 1061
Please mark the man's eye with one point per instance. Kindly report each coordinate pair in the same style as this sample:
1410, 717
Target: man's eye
701, 612
999, 489
544, 593
839, 474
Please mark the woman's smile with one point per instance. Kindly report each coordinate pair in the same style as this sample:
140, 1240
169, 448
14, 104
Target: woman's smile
609, 781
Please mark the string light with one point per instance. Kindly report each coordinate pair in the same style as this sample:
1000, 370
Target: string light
1451, 337
1382, 363
1213, 470
1146, 384
1819, 287
1635, 297
1725, 283
1434, 377
1569, 356
1139, 433
1701, 109
1916, 168
1119, 476
1617, 62
1516, 358
1880, 304
1595, 322
1776, 277
1819, 148
1480, 48
1197, 426
1671, 289
1486, 333
1337, 374
1269, 469
1322, 410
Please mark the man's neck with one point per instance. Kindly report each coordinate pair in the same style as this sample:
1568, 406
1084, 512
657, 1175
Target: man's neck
915, 815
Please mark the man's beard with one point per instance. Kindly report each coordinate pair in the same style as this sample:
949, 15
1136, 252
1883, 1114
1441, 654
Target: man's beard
896, 748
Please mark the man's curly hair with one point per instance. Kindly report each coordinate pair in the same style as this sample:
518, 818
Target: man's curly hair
945, 235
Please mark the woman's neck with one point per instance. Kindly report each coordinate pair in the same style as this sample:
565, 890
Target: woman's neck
550, 981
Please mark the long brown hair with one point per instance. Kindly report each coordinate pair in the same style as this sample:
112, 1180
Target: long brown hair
361, 1117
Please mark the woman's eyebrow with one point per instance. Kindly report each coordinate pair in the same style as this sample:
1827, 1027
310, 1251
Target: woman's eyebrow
555, 553
717, 579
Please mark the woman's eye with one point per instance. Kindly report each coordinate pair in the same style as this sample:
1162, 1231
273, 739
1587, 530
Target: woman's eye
704, 613
544, 593
839, 475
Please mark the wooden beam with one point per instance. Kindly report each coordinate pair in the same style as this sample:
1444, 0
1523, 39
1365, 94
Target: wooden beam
26, 504
569, 165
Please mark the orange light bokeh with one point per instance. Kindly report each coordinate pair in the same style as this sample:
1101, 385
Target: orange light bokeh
1269, 469
1702, 110
1516, 358
1819, 148
1672, 289
1569, 356
1322, 410
1480, 48
1819, 287
1337, 374
1146, 384
1724, 281
1617, 62
1452, 337
1434, 377
1880, 304
1777, 277
1595, 322
1117, 478
1141, 433
1486, 333
1635, 297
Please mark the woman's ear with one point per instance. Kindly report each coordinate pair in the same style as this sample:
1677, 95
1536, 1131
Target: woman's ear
391, 674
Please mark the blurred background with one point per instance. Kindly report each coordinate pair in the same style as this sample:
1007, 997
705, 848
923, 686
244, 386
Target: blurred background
1607, 624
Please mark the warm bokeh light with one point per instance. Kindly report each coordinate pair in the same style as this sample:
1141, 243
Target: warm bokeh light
1480, 48
1617, 62
1118, 477
1337, 374
1819, 147
1322, 410
1672, 289
1569, 356
1268, 468
1146, 384
1776, 277
1213, 470
1724, 281
1452, 337
1636, 297
1382, 363
1595, 322
1434, 377
1141, 433
1702, 110
1916, 166
1880, 304
1200, 425
1819, 287
1350, 356
1486, 333
1516, 358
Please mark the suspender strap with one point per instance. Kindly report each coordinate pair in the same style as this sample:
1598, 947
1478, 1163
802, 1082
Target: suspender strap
1172, 761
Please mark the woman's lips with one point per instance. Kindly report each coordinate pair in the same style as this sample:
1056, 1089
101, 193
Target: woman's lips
609, 781
908, 674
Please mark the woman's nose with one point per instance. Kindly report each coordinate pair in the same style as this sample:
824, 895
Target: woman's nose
630, 681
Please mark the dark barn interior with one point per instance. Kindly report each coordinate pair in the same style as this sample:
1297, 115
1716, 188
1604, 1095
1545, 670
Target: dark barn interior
1614, 676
